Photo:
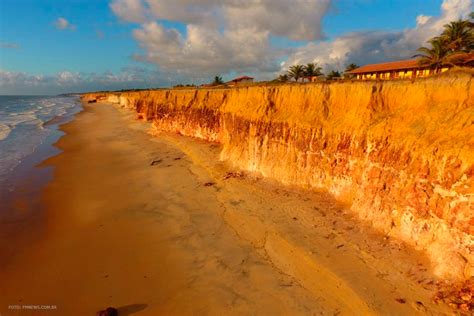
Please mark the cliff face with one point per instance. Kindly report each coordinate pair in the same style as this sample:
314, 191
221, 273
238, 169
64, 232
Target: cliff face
400, 153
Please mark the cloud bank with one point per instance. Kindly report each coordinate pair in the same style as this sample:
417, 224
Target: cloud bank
235, 35
220, 36
12, 82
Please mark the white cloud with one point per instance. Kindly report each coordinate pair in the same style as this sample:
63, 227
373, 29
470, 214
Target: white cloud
370, 47
422, 19
221, 36
204, 51
298, 20
129, 10
63, 24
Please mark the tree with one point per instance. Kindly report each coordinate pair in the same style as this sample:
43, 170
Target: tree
459, 59
350, 67
283, 78
435, 56
312, 70
217, 80
333, 75
452, 47
296, 72
458, 36
470, 22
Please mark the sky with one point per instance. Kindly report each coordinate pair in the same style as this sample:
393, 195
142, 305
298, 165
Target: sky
58, 46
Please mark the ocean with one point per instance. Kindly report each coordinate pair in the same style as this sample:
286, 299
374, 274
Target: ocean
29, 122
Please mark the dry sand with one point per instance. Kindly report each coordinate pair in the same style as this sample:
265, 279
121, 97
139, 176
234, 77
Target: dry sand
188, 235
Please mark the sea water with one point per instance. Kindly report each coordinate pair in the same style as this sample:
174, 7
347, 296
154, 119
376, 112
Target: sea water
26, 123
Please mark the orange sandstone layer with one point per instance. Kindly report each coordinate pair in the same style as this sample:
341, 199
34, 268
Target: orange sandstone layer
401, 153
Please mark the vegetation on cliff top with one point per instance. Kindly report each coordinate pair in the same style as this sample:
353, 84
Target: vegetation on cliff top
454, 46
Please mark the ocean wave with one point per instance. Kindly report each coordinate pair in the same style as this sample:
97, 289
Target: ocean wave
4, 131
25, 124
13, 119
43, 111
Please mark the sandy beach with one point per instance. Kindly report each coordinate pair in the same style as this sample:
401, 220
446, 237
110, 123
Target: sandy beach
159, 226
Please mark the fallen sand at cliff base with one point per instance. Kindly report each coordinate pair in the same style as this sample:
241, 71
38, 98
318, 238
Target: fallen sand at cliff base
158, 226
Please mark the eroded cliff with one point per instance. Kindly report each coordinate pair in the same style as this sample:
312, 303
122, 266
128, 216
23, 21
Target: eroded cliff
400, 153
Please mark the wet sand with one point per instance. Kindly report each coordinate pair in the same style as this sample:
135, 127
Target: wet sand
158, 226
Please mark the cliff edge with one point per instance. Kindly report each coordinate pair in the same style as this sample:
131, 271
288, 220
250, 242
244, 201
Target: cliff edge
400, 153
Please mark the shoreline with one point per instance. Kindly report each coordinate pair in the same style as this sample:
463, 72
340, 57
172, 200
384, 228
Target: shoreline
179, 237
21, 210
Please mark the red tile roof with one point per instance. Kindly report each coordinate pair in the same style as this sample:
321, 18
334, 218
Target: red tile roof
394, 65
241, 78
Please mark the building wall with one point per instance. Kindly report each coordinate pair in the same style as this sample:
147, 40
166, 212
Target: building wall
240, 82
244, 81
400, 74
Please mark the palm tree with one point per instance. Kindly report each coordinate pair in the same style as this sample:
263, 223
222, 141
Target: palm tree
435, 56
283, 78
458, 36
459, 59
217, 80
333, 75
350, 67
296, 72
312, 70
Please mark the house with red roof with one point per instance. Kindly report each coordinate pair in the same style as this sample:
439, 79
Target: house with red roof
240, 80
402, 69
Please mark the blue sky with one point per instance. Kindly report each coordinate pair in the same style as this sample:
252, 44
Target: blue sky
45, 49
101, 42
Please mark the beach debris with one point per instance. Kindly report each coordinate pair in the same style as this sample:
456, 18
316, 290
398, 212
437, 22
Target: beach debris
458, 296
178, 158
401, 300
286, 284
419, 306
340, 246
155, 162
109, 311
230, 175
209, 184
92, 101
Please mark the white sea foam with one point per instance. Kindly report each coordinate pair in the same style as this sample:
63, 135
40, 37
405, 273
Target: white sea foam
22, 126
18, 118
4, 131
